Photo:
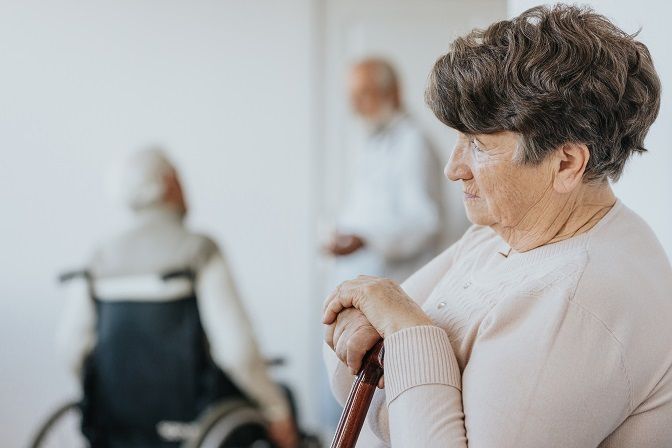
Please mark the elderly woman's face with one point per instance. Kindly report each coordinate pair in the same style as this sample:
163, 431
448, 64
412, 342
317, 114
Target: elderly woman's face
498, 190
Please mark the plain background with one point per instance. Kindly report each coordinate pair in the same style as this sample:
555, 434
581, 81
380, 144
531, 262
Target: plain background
246, 96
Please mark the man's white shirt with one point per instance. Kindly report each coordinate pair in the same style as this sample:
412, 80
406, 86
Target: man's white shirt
392, 203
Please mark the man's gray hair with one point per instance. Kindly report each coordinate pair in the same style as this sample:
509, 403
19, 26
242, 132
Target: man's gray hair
385, 73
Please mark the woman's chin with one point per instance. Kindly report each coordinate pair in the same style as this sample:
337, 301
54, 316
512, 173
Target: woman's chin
478, 216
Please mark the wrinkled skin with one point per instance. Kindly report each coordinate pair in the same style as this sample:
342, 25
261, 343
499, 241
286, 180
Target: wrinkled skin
528, 205
361, 311
351, 336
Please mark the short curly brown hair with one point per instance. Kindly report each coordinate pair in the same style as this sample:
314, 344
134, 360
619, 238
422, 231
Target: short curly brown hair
554, 75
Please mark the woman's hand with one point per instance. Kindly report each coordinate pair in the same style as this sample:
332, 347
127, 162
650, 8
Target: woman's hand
383, 304
351, 336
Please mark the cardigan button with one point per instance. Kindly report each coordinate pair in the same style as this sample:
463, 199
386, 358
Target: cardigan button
440, 305
466, 285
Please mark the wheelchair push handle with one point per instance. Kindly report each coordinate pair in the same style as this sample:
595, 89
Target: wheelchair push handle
359, 400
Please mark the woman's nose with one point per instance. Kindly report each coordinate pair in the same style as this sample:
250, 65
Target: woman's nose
457, 167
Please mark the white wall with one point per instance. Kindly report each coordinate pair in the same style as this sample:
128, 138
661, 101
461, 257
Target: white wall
646, 185
226, 86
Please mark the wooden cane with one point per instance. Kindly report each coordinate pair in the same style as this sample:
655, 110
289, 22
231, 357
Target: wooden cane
359, 400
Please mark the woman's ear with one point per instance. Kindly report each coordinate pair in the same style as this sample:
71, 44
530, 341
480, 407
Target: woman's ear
571, 159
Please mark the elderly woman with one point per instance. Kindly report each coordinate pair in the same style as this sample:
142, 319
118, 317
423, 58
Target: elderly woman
549, 323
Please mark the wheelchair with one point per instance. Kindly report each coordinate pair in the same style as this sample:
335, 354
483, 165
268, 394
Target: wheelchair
229, 424
124, 406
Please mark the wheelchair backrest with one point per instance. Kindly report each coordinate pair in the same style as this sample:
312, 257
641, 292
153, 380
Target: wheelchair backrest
151, 362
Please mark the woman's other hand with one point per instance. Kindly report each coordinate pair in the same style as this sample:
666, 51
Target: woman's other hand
383, 304
351, 336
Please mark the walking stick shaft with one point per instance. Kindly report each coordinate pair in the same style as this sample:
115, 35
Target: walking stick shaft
359, 400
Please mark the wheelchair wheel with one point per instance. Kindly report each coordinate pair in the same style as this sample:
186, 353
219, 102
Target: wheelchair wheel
232, 424
61, 429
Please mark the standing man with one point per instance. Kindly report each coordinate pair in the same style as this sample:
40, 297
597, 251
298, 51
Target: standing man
390, 220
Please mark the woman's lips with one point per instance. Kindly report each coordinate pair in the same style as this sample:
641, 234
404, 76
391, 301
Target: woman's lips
469, 195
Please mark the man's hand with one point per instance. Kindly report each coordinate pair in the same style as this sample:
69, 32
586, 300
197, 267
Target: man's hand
283, 433
344, 244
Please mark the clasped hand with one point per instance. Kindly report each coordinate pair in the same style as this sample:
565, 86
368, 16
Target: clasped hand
362, 311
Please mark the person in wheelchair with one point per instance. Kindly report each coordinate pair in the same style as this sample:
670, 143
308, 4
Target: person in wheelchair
157, 331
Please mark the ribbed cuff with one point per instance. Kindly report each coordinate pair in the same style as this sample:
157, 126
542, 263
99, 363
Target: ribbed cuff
416, 356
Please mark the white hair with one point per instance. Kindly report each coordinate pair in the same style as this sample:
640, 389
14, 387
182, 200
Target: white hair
140, 180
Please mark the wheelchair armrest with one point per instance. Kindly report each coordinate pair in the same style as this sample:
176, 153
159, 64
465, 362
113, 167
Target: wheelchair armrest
71, 275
